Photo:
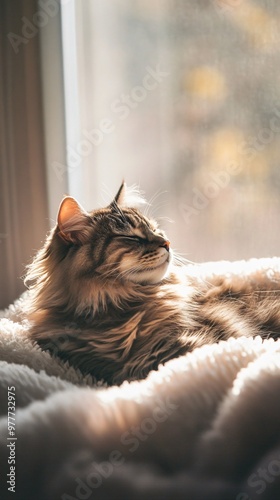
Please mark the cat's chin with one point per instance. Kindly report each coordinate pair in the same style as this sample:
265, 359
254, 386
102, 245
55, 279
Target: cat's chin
151, 276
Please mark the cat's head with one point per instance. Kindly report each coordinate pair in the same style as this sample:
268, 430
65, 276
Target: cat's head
116, 243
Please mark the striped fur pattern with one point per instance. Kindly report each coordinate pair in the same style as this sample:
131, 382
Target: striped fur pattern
107, 296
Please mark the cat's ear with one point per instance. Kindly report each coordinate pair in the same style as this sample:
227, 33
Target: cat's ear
128, 197
121, 195
72, 221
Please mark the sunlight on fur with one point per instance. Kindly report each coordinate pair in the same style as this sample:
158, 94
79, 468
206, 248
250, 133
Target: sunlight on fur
119, 302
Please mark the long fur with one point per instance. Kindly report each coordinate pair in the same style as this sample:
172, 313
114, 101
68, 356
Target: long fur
115, 328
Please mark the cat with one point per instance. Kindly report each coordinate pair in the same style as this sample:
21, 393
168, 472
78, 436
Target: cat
108, 295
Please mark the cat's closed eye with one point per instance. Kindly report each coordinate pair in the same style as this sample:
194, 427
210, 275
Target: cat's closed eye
128, 238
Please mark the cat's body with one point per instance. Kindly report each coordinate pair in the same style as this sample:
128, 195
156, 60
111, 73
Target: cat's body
107, 298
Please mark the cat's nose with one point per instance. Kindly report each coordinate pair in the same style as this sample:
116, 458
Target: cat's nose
166, 245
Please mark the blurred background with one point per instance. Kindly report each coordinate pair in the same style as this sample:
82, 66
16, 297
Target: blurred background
179, 97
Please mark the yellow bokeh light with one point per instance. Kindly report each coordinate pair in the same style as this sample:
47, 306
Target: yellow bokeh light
206, 82
261, 28
224, 147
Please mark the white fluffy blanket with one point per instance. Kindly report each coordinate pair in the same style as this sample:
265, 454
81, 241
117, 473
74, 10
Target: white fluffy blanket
205, 426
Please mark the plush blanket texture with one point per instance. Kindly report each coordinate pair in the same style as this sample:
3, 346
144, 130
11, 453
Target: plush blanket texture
205, 426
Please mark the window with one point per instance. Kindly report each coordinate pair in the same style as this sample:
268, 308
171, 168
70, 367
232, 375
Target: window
182, 98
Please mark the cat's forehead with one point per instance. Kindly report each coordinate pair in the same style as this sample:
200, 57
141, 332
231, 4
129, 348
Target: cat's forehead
129, 219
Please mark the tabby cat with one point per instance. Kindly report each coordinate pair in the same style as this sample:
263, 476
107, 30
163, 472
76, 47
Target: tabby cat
108, 295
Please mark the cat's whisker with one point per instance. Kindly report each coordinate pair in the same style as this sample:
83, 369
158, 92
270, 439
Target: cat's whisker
106, 193
113, 272
179, 259
152, 200
155, 196
165, 219
158, 208
129, 272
